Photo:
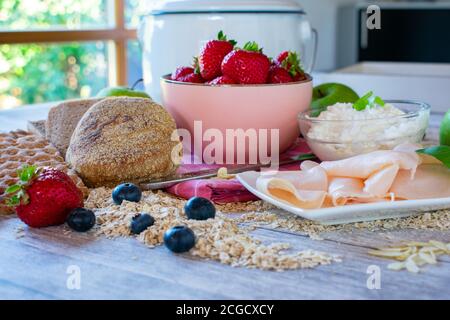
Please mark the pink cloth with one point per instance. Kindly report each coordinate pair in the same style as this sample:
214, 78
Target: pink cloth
218, 191
224, 191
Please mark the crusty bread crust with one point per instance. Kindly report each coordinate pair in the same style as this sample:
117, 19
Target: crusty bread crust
63, 119
123, 139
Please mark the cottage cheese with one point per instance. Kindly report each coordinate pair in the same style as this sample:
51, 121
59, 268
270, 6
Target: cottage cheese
346, 132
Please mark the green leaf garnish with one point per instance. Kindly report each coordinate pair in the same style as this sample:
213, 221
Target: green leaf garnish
368, 100
304, 156
379, 101
442, 153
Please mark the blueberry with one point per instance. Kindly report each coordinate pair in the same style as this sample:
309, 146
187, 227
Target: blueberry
126, 191
179, 239
81, 219
199, 208
141, 222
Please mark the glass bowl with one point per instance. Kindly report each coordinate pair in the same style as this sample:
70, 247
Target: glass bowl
339, 139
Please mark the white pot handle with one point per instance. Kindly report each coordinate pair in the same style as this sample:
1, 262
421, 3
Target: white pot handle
312, 36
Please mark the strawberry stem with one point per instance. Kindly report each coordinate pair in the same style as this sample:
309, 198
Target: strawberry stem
17, 193
252, 46
196, 65
222, 37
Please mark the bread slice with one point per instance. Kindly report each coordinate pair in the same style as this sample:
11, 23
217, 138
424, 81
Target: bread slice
63, 119
37, 127
124, 139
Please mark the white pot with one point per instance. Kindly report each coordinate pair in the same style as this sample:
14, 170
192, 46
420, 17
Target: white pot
172, 33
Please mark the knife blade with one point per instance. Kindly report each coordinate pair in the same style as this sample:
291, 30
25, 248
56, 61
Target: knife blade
210, 173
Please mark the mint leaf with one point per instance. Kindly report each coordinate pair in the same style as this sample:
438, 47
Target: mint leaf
13, 188
368, 100
442, 153
379, 101
362, 102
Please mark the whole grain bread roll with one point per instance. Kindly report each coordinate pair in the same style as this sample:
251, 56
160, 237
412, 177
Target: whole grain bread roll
63, 119
124, 139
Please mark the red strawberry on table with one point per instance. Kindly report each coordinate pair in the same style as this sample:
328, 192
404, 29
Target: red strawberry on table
247, 65
290, 61
222, 80
278, 74
212, 54
44, 197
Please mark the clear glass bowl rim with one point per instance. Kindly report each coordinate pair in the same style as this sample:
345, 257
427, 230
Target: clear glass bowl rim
422, 106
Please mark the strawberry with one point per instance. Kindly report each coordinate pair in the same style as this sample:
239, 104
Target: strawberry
44, 197
181, 72
222, 80
247, 65
212, 54
289, 60
192, 78
278, 74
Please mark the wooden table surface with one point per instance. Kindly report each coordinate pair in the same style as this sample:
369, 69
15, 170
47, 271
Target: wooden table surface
40, 263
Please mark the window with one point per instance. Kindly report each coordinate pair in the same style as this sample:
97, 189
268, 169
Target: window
61, 49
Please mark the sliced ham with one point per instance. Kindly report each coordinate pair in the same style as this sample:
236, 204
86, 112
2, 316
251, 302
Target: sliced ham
430, 181
284, 190
362, 166
399, 174
379, 183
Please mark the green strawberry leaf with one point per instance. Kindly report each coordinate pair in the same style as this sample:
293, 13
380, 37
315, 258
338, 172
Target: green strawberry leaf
26, 173
13, 201
222, 37
442, 153
252, 46
13, 189
196, 65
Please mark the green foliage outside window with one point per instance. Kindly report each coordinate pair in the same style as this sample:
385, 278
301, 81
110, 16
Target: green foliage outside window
32, 73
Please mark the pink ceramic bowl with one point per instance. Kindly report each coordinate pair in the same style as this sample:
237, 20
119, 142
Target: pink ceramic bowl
255, 107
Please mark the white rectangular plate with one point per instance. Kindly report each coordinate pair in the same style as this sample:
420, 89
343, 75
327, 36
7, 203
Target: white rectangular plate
350, 213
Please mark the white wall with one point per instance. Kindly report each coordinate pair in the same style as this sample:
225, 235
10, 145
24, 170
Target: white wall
323, 16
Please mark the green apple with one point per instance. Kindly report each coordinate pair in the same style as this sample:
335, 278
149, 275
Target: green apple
121, 91
444, 131
327, 94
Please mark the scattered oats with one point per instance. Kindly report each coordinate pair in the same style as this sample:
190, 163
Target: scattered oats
227, 238
222, 239
413, 254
